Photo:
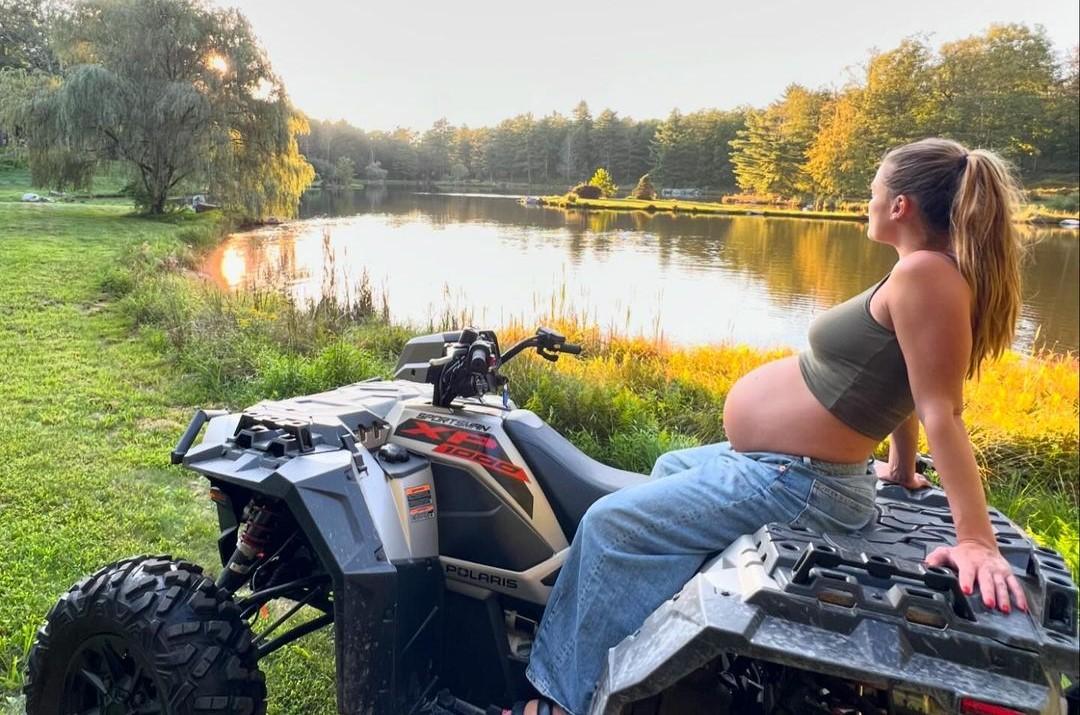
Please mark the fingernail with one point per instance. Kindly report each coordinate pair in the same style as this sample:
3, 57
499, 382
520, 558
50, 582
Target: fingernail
967, 590
1006, 609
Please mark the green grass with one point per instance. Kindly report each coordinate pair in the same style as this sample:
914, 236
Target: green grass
109, 183
90, 411
107, 344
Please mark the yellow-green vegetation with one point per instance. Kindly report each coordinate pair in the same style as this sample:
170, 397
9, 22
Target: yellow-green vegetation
108, 340
570, 201
1051, 204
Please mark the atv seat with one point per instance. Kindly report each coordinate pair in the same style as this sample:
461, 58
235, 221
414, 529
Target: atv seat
571, 479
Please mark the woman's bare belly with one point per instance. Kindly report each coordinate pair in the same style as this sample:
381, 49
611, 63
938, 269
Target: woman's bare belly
770, 409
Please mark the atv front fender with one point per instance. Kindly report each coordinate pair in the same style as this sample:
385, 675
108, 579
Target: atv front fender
321, 493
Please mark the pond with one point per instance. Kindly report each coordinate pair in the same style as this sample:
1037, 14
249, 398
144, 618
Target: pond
487, 260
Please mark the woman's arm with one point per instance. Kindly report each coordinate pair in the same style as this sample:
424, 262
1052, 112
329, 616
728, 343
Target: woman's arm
928, 304
903, 445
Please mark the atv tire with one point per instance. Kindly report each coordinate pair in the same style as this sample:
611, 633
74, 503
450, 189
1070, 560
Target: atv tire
147, 634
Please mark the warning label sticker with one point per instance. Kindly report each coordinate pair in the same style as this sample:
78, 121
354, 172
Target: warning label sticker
419, 502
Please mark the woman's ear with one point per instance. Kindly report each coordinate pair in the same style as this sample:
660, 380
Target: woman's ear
900, 207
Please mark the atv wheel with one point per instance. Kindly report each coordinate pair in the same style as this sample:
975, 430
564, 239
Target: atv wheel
144, 635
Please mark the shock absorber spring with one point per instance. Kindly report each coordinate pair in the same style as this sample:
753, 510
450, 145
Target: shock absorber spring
252, 541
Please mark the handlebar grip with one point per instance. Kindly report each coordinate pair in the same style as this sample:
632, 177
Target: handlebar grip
478, 359
570, 348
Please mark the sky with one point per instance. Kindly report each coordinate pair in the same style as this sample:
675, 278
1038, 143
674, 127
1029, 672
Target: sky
410, 62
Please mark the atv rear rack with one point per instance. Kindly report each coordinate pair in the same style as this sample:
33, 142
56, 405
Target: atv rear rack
864, 607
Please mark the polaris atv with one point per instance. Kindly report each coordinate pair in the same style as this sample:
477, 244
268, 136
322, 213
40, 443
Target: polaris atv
425, 518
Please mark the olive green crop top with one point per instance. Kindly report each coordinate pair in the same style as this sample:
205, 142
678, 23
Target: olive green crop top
854, 368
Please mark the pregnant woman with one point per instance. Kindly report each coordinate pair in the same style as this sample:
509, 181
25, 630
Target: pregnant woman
802, 429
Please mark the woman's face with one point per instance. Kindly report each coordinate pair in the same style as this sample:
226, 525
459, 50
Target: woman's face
882, 226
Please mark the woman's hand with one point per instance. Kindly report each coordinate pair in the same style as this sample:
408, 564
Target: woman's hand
976, 562
910, 480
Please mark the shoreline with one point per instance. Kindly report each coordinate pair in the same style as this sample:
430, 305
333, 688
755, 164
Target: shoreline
698, 208
675, 206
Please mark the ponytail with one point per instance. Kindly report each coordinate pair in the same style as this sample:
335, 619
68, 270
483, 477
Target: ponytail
988, 252
970, 198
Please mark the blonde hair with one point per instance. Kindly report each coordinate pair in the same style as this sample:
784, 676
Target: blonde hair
969, 196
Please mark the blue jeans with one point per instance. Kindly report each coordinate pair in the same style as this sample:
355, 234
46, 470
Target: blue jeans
637, 547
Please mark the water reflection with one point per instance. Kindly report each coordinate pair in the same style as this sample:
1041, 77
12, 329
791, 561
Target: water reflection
696, 279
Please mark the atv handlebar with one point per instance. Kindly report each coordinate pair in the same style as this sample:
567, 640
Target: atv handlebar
548, 344
470, 367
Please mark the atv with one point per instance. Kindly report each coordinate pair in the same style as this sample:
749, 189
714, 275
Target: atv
425, 519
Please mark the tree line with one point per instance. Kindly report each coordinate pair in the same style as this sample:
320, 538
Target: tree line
1005, 89
183, 95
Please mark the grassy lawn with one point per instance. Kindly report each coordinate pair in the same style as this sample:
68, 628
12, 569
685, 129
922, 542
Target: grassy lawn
107, 344
90, 413
108, 183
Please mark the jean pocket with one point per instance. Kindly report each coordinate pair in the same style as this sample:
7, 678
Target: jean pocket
828, 509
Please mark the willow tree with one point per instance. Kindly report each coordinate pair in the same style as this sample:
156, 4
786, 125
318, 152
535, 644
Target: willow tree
180, 92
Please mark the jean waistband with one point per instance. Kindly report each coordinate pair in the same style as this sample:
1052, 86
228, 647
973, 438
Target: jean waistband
818, 465
837, 468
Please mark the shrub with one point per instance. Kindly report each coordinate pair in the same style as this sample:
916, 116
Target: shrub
342, 174
603, 180
1066, 203
375, 172
117, 282
587, 191
644, 189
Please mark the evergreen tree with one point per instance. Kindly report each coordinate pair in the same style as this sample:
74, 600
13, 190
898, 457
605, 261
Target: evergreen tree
434, 155
644, 189
607, 138
769, 156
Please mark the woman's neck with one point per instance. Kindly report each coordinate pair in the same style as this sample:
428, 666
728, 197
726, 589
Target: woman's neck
911, 241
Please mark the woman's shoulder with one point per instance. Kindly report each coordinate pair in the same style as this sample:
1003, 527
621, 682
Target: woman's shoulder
925, 283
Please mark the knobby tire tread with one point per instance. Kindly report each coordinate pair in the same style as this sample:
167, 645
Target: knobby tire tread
191, 631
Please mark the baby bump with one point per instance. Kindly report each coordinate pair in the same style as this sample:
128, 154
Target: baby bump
771, 409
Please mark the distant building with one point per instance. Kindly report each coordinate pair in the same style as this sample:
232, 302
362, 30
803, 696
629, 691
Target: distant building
680, 193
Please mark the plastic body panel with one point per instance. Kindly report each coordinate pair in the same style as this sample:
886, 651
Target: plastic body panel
379, 607
413, 362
